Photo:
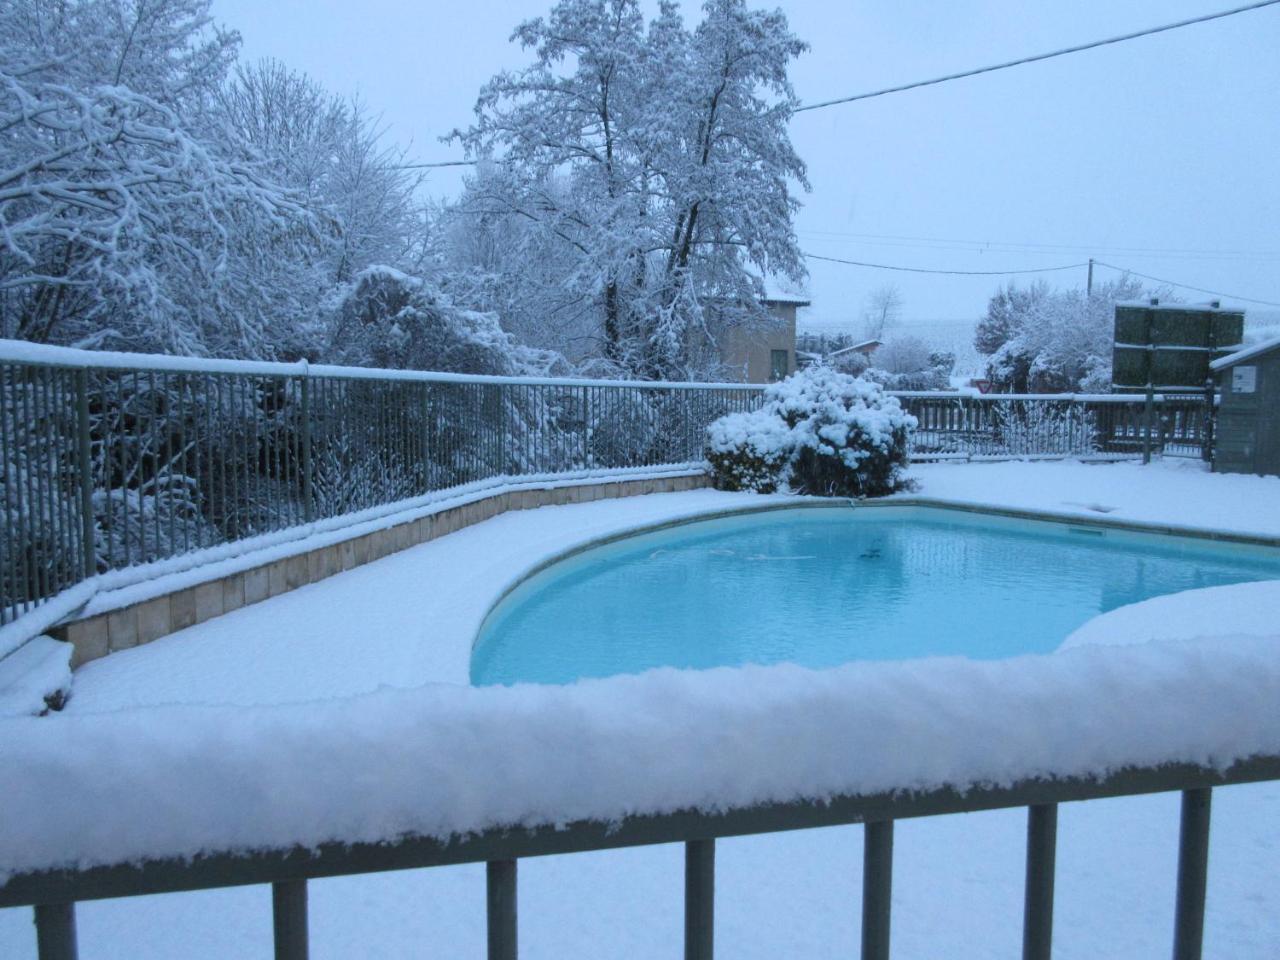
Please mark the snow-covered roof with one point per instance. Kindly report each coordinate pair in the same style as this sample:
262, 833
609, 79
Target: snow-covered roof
1248, 353
792, 298
861, 345
781, 290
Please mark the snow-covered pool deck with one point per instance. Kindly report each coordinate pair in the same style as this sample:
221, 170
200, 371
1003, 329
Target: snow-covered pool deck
410, 618
407, 620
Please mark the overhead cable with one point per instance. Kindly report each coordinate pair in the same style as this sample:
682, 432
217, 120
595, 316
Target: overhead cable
1184, 286
960, 273
1039, 56
964, 73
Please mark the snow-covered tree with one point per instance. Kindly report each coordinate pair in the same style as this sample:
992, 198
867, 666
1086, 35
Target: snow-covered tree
168, 50
386, 318
883, 310
121, 227
1007, 311
124, 222
903, 354
328, 151
1053, 341
655, 159
906, 362
499, 262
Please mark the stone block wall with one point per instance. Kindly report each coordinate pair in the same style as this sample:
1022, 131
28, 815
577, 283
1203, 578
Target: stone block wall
140, 623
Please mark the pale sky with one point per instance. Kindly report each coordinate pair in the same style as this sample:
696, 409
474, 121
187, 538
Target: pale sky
1159, 154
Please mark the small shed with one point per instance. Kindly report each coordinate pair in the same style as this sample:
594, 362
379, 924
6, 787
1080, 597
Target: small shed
1247, 438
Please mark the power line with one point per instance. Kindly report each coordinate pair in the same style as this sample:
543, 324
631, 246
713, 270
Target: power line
958, 76
962, 273
1068, 266
1040, 56
1185, 286
469, 163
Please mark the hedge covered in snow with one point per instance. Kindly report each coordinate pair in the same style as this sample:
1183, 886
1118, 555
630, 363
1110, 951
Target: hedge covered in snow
819, 432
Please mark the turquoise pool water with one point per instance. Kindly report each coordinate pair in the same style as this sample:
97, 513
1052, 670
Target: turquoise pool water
821, 587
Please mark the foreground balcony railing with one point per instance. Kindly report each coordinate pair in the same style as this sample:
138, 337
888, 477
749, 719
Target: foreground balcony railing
54, 894
108, 461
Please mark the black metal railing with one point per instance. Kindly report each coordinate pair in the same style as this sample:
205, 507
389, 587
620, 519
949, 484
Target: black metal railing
106, 464
53, 894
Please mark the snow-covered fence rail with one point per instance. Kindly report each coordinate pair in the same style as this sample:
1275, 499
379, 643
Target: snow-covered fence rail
102, 805
1049, 425
110, 460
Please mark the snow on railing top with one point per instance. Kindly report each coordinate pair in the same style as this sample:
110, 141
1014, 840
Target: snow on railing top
18, 351
998, 397
450, 760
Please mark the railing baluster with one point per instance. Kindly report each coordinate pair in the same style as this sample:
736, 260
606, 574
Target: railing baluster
289, 919
699, 899
501, 898
56, 931
877, 889
1193, 869
1037, 916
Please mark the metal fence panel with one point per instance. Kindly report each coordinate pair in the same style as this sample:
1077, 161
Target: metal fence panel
129, 460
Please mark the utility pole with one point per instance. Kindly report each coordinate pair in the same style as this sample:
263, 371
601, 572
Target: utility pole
1089, 287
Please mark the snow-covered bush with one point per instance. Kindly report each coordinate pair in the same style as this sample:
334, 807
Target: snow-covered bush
1029, 427
819, 432
161, 520
749, 451
624, 429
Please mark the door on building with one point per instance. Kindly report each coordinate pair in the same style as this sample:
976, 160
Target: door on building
779, 366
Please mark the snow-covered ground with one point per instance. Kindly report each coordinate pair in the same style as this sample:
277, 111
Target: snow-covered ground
407, 620
1171, 492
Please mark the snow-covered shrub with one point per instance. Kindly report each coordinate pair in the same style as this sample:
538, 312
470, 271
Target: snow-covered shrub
161, 519
623, 431
749, 451
820, 432
1029, 427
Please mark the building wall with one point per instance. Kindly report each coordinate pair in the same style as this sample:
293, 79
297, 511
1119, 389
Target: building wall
1247, 438
748, 351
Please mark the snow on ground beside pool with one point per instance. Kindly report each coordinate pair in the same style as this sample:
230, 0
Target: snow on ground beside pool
1237, 610
957, 879
1173, 491
402, 621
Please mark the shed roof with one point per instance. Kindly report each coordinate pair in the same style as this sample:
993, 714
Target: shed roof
1248, 353
861, 345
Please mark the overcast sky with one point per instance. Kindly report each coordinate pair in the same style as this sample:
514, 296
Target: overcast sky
1160, 154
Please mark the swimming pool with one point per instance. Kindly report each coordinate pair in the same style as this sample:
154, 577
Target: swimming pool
823, 586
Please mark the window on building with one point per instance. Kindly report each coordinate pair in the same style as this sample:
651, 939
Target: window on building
778, 366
